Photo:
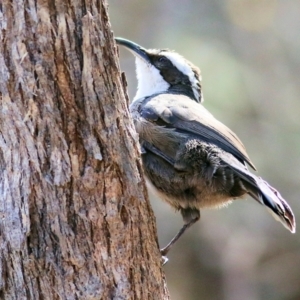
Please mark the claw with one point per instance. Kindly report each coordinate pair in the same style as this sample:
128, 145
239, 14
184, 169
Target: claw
164, 260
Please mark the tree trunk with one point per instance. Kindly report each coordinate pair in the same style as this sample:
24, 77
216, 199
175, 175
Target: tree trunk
75, 220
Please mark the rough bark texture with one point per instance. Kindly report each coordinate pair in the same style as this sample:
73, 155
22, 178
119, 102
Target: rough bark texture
75, 221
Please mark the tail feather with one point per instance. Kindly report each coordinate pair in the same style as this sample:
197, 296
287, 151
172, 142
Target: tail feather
265, 194
271, 198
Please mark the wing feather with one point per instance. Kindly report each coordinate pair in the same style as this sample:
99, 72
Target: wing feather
185, 115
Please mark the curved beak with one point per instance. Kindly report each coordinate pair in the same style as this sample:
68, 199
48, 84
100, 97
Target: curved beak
136, 49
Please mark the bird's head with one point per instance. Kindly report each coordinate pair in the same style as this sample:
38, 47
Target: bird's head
163, 70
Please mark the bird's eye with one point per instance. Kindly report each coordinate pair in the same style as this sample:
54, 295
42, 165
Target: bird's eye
162, 59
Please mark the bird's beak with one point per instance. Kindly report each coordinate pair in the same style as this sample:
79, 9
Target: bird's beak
136, 49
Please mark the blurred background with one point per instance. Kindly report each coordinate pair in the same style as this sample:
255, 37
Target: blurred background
249, 55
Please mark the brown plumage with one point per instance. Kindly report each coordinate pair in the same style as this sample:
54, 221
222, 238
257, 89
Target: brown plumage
191, 159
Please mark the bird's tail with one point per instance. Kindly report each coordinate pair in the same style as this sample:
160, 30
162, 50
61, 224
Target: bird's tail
271, 198
266, 195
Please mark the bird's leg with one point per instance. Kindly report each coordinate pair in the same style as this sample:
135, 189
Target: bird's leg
166, 249
190, 216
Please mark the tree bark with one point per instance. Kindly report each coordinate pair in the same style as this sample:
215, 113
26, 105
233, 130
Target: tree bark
75, 220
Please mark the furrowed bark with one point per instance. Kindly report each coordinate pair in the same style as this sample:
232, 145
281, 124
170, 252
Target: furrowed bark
75, 220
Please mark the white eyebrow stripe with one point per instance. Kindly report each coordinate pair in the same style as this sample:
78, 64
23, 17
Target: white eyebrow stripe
180, 63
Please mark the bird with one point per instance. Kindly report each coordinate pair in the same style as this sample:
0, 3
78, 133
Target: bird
190, 159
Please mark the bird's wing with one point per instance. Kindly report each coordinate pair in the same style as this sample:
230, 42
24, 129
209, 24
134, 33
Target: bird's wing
187, 116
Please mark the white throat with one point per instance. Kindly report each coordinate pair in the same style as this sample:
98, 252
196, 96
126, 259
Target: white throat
150, 81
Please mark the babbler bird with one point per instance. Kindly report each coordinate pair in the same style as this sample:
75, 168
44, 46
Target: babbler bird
191, 159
